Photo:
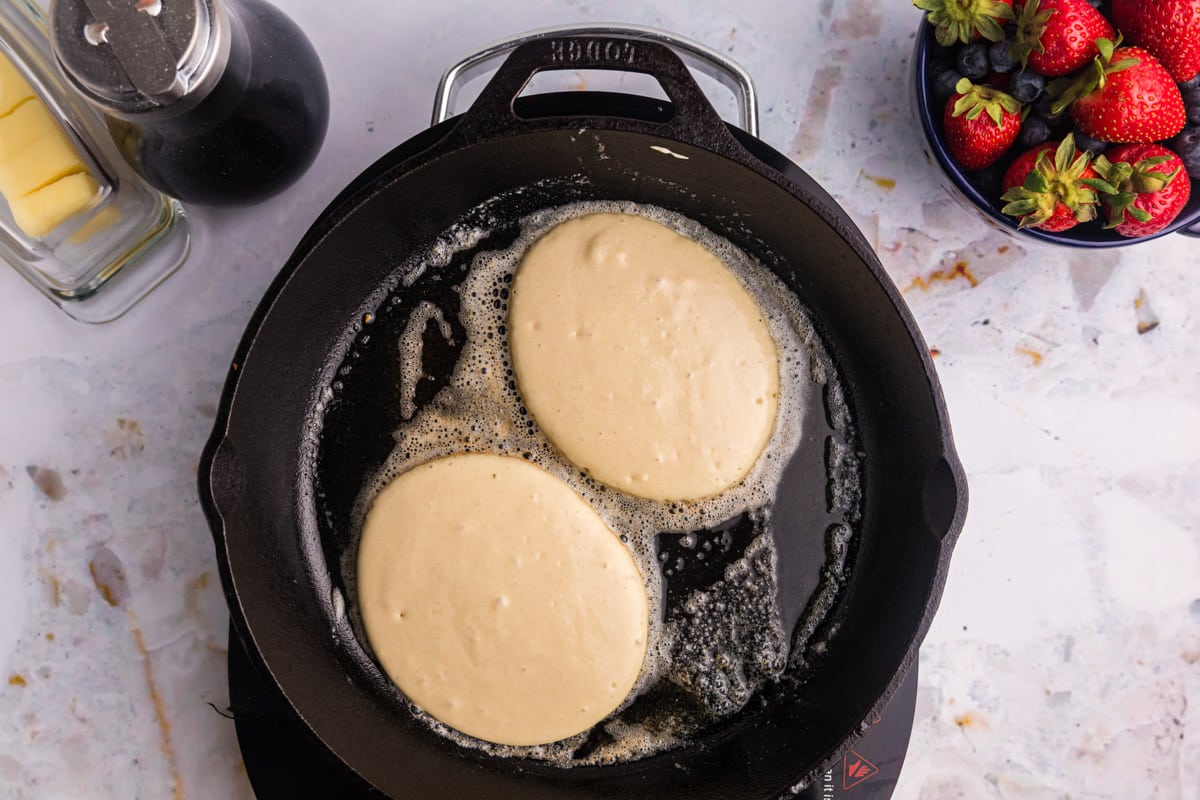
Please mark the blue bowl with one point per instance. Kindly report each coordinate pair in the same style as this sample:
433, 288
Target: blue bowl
929, 112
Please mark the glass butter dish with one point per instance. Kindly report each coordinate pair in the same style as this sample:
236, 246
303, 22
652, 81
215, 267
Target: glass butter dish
75, 219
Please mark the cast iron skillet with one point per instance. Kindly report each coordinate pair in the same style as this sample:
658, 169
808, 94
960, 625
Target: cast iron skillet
276, 489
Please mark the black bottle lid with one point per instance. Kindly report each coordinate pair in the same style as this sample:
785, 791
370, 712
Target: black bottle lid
147, 59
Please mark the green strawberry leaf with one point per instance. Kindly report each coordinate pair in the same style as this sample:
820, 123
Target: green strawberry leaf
1153, 161
1018, 208
946, 37
997, 10
1057, 86
957, 21
990, 29
1122, 65
1065, 154
977, 99
1006, 101
1036, 182
1036, 218
1100, 185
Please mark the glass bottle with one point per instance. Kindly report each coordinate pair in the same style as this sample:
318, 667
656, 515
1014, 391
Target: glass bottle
216, 102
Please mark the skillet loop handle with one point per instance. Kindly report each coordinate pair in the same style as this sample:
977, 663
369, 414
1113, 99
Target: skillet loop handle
944, 498
694, 121
222, 486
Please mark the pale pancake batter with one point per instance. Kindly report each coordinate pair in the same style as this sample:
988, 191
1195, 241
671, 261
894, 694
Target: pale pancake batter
499, 601
642, 357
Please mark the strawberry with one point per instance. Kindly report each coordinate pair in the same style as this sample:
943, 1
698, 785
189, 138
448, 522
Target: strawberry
967, 20
1125, 96
1148, 188
1057, 37
1047, 187
975, 138
1170, 29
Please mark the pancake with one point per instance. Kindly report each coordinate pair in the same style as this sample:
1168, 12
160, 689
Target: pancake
499, 602
642, 357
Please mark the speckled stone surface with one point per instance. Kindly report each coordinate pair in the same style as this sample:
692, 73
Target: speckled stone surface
1065, 661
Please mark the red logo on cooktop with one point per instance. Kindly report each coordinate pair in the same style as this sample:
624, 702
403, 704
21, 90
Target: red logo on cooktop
856, 769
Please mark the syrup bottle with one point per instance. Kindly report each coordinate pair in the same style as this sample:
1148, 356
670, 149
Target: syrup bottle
215, 102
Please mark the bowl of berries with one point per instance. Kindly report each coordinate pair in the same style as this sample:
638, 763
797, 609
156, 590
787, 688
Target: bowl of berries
1076, 122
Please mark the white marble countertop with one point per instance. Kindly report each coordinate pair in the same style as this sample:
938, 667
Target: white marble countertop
1065, 661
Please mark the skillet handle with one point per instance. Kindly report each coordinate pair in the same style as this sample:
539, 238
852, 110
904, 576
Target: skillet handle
221, 480
617, 48
944, 497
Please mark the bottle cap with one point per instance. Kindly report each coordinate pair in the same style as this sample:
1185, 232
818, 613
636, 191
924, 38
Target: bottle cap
140, 57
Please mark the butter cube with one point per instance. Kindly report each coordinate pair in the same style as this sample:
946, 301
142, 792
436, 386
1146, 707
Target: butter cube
42, 175
14, 89
50, 157
45, 209
24, 126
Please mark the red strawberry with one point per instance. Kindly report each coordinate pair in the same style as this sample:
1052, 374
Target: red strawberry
1057, 37
1149, 188
1127, 96
975, 138
1046, 187
1170, 29
967, 20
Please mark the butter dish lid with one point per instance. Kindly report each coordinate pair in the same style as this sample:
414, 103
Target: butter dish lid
136, 57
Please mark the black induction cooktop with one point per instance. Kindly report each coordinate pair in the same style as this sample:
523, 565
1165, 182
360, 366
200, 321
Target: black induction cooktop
285, 763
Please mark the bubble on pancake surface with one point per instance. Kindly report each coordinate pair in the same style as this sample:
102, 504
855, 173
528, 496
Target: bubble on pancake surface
480, 410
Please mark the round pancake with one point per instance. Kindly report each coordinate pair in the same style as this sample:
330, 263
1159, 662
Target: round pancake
642, 357
499, 602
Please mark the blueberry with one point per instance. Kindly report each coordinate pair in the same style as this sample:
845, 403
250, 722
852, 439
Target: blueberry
1026, 85
1192, 84
1085, 142
1001, 58
944, 77
1187, 146
1191, 102
1034, 131
973, 61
